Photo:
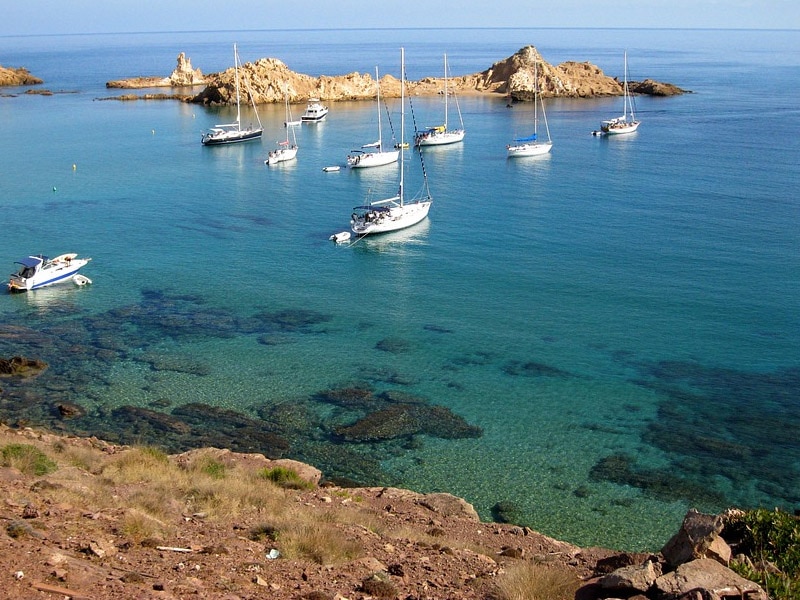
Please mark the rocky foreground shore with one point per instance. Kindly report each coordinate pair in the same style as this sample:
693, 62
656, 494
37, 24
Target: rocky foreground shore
83, 518
269, 80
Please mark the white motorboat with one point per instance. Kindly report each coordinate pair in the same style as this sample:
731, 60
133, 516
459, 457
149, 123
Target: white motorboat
440, 134
374, 154
231, 133
396, 212
627, 123
531, 145
38, 271
285, 150
315, 111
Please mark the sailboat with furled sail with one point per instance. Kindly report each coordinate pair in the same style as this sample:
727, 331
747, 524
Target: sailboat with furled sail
440, 134
373, 154
627, 123
396, 212
231, 133
285, 150
532, 145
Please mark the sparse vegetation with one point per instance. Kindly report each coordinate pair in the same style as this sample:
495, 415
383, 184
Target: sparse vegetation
286, 478
28, 459
531, 581
768, 543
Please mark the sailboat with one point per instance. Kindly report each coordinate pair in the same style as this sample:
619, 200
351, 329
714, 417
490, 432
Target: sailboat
396, 212
440, 134
284, 151
627, 123
531, 145
373, 155
230, 133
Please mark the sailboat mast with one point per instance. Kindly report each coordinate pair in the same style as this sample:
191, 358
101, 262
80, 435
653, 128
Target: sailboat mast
236, 77
402, 119
380, 134
445, 92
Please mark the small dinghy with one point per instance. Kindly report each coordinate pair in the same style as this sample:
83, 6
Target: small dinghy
341, 237
81, 279
331, 169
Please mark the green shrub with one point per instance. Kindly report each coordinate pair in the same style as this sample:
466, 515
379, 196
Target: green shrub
769, 539
285, 478
28, 459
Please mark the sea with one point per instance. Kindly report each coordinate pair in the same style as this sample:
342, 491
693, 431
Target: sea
588, 343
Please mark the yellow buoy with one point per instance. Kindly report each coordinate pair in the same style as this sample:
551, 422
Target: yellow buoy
74, 167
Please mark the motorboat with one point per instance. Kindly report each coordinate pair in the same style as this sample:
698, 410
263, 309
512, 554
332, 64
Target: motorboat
38, 271
315, 111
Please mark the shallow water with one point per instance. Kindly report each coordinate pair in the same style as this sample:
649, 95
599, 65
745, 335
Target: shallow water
598, 339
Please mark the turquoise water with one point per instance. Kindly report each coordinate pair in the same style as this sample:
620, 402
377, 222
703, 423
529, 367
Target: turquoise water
597, 339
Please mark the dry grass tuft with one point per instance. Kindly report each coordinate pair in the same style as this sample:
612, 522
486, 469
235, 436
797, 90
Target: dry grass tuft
529, 581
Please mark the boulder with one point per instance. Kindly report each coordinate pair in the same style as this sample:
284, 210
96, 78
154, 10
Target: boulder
448, 505
708, 579
698, 533
633, 578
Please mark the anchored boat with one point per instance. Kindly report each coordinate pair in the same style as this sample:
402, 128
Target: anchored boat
38, 271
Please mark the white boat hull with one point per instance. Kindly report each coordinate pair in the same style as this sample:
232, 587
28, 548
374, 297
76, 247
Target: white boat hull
617, 128
393, 218
440, 138
372, 159
50, 272
522, 150
281, 155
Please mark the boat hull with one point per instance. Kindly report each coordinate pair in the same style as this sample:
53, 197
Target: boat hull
391, 219
281, 155
231, 138
440, 138
619, 128
372, 159
523, 150
58, 272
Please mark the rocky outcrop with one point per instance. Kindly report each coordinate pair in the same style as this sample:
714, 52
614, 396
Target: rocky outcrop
21, 367
183, 76
270, 80
10, 76
693, 564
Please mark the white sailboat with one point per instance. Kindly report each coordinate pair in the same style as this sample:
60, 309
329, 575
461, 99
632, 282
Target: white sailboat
531, 145
627, 123
373, 155
230, 133
284, 151
396, 212
440, 134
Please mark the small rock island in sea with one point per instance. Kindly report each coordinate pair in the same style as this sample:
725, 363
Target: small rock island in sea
270, 80
10, 76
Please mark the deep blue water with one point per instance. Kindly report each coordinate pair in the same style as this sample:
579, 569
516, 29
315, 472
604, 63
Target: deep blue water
598, 339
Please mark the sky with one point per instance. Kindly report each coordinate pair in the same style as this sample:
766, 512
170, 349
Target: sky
37, 17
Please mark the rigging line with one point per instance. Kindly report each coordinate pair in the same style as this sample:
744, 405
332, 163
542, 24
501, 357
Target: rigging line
419, 149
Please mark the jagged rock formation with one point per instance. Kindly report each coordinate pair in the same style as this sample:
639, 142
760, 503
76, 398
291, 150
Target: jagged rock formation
183, 75
20, 76
269, 80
